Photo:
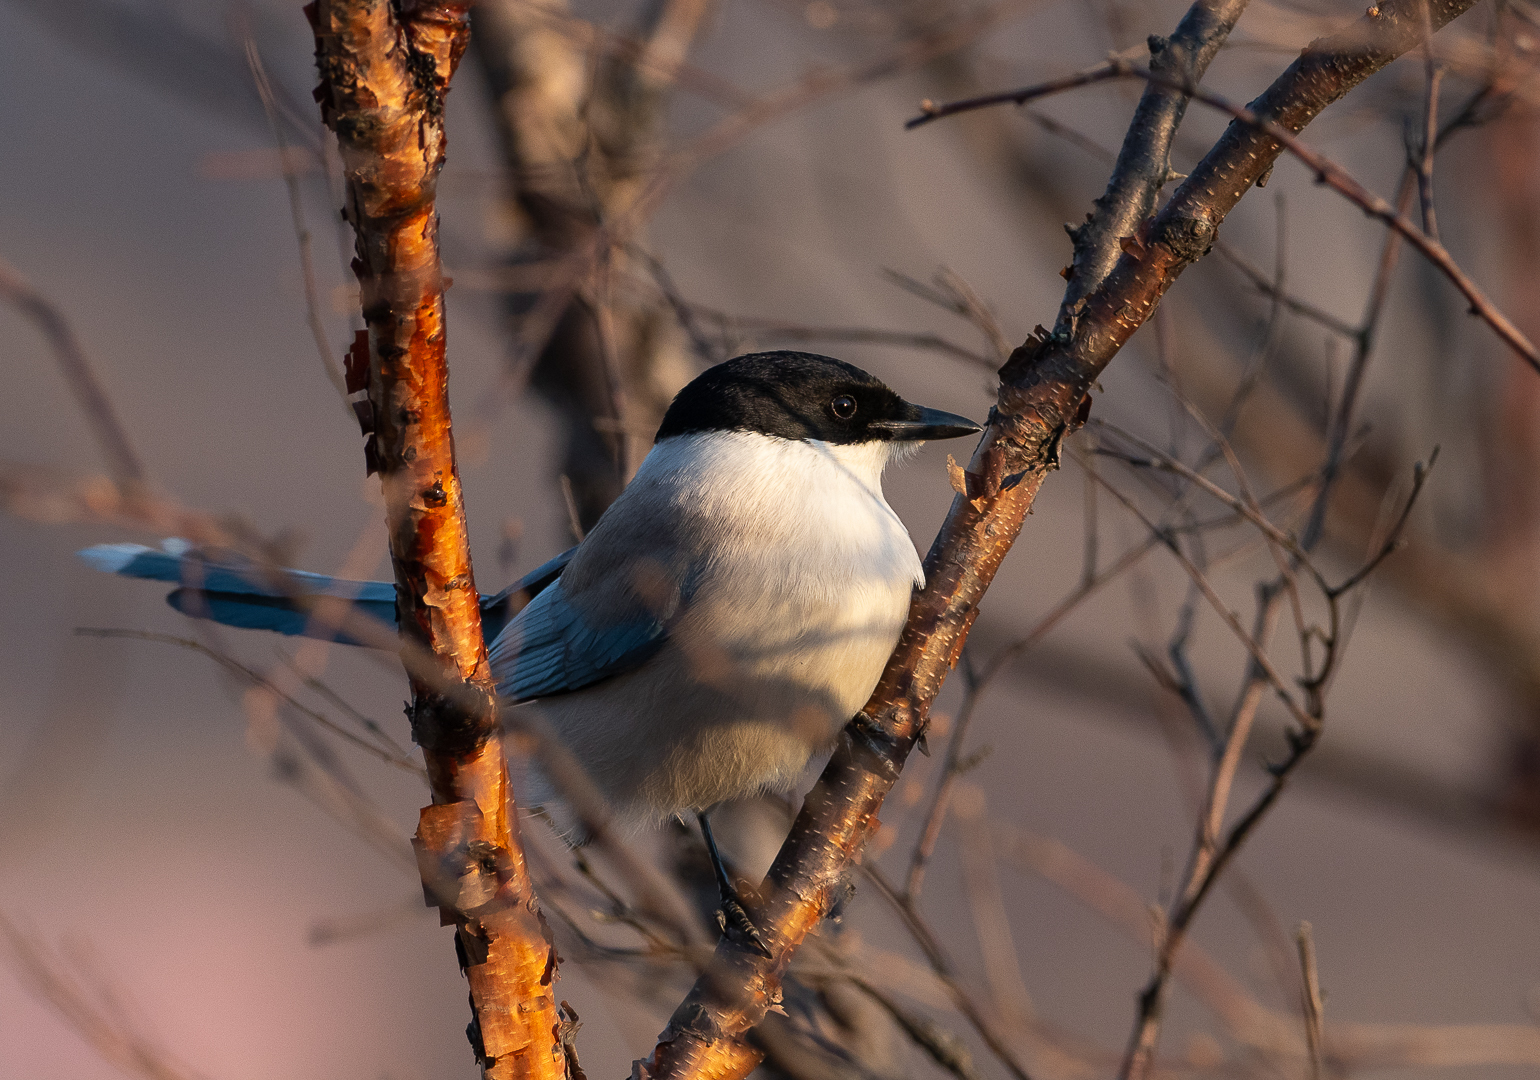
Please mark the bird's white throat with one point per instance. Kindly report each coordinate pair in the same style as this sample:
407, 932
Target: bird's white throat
818, 500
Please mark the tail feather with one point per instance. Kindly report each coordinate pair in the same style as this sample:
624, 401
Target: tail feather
280, 614
236, 593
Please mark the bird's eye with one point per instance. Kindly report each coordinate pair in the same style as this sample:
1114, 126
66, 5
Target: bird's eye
843, 406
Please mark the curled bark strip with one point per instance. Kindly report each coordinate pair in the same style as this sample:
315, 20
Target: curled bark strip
385, 69
1042, 393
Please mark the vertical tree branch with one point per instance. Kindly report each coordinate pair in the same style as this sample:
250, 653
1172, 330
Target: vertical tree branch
1042, 398
307, 275
385, 68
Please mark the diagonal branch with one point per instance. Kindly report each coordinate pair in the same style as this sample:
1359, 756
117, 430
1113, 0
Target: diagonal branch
1042, 398
385, 68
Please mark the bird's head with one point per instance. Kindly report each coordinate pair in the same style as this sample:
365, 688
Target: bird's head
806, 397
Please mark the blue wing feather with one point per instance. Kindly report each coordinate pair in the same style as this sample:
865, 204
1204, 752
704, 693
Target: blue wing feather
498, 610
549, 648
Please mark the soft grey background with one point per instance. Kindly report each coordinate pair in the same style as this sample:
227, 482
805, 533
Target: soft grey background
135, 821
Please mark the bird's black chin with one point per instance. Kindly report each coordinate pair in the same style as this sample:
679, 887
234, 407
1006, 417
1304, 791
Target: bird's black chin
920, 424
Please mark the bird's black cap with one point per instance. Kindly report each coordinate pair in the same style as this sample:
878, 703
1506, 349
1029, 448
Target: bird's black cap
797, 395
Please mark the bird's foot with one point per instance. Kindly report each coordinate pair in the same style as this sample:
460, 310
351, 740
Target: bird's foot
736, 924
732, 916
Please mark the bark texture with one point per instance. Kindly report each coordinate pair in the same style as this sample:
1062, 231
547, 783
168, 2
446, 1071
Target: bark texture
385, 69
1043, 397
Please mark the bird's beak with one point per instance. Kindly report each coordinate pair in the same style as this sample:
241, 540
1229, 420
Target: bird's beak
921, 424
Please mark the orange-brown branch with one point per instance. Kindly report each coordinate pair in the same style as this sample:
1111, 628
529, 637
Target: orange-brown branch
385, 69
1042, 397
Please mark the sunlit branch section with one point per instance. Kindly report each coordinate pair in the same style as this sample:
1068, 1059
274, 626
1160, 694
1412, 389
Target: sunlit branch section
385, 70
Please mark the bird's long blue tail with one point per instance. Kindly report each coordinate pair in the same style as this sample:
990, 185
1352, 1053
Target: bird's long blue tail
235, 592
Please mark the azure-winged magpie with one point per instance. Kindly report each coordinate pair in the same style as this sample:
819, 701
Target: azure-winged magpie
725, 617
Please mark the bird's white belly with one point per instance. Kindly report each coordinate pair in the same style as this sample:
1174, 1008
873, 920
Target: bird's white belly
712, 717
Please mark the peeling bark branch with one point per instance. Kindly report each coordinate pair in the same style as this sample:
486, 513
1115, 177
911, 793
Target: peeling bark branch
1042, 398
385, 69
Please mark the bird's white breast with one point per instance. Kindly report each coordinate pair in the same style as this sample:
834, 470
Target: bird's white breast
793, 578
811, 576
803, 522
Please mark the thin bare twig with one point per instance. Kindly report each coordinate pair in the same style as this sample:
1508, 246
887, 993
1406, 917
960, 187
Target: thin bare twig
323, 347
955, 764
122, 460
945, 1049
1434, 75
1212, 851
1200, 579
690, 316
1115, 68
1364, 341
1311, 1001
390, 754
304, 763
97, 1011
359, 718
986, 903
923, 936
1326, 172
1264, 285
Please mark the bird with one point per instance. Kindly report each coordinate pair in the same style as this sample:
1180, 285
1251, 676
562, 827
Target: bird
725, 617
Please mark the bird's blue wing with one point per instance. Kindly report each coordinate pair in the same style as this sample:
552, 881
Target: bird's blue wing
498, 610
240, 594
551, 648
